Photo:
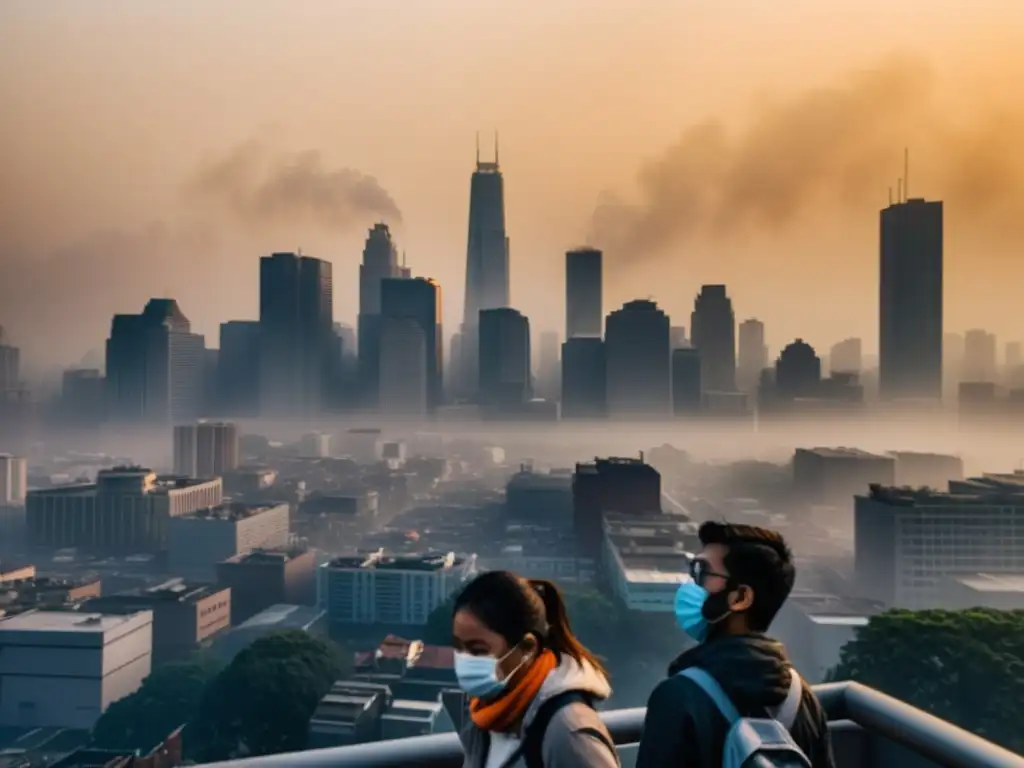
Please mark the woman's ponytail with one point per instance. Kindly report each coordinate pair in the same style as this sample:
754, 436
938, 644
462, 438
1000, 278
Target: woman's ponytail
559, 637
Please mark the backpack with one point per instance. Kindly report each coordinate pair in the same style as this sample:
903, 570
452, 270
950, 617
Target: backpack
533, 738
756, 742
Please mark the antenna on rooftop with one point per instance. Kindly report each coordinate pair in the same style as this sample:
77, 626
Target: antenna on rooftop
899, 190
495, 147
478, 147
403, 257
890, 195
906, 173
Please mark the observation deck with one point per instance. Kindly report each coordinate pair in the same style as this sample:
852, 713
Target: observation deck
869, 730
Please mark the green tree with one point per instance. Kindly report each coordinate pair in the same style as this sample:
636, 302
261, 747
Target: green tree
168, 698
261, 703
966, 667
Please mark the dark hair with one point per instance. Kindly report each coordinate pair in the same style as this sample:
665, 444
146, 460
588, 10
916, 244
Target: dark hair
514, 607
758, 558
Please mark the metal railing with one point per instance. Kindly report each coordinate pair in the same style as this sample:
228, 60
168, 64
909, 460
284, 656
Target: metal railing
924, 735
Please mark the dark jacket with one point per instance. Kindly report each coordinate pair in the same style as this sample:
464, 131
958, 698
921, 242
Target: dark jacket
684, 729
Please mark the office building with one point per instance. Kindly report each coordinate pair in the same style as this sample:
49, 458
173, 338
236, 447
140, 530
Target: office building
998, 591
909, 542
185, 616
540, 497
846, 357
627, 486
686, 381
297, 344
677, 336
127, 510
238, 369
487, 261
980, 357
638, 365
315, 445
833, 476
506, 379
380, 262
263, 578
62, 669
381, 589
205, 449
549, 372
13, 479
583, 378
82, 397
417, 300
201, 539
403, 385
10, 365
713, 334
584, 314
753, 354
910, 301
931, 470
155, 369
798, 372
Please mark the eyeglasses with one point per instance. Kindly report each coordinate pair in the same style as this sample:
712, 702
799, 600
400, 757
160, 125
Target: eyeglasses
700, 572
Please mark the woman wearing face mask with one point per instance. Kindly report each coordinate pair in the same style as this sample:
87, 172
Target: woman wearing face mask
531, 685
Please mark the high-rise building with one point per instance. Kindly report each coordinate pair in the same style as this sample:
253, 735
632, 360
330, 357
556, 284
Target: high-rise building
798, 371
81, 396
10, 365
846, 357
638, 360
380, 262
584, 315
505, 376
713, 334
296, 333
980, 356
753, 354
13, 479
205, 449
910, 301
677, 335
548, 368
404, 384
418, 299
487, 260
583, 378
238, 368
686, 381
155, 370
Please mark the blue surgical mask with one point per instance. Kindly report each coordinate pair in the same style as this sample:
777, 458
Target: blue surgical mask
478, 675
690, 598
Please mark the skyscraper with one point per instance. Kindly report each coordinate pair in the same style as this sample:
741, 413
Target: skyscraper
846, 357
505, 377
713, 334
419, 299
238, 368
638, 359
548, 367
583, 378
583, 285
296, 333
404, 384
797, 371
487, 259
380, 262
155, 370
13, 480
686, 381
10, 365
910, 300
753, 354
980, 356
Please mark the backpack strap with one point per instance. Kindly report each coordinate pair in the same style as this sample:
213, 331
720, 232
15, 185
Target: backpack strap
714, 691
531, 750
787, 711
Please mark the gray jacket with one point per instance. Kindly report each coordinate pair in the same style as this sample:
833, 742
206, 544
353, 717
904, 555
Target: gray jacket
575, 737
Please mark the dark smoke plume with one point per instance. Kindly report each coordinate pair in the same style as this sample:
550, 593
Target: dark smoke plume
262, 188
824, 152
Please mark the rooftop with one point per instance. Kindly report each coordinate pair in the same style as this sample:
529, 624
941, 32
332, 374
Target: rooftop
974, 492
232, 510
835, 608
267, 556
994, 582
649, 576
63, 621
841, 453
173, 591
381, 562
283, 616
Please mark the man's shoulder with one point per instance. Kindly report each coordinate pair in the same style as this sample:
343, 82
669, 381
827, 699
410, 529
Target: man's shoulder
675, 691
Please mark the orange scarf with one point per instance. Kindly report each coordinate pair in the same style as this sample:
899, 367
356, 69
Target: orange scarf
505, 712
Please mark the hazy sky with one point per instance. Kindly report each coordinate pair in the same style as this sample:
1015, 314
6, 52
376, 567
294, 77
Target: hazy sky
159, 148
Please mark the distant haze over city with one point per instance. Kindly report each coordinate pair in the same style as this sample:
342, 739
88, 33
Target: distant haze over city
169, 153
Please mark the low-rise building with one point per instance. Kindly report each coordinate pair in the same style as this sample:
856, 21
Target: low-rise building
202, 539
276, 618
1001, 591
48, 591
264, 578
544, 497
185, 616
646, 559
384, 589
64, 668
350, 713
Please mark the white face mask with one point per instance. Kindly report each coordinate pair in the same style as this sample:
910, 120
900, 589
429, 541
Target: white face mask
478, 675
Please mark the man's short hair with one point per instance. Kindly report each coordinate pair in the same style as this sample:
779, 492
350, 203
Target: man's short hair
759, 558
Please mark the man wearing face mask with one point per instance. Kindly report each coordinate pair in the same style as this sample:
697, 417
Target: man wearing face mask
739, 582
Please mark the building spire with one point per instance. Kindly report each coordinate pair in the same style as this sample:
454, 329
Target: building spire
496, 148
478, 147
